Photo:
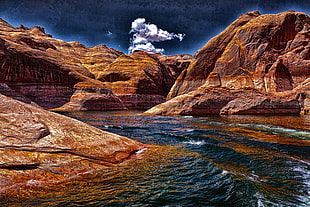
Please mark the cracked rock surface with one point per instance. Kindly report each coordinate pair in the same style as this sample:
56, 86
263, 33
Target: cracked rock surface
38, 146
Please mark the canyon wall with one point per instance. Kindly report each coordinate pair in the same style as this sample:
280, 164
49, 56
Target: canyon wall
59, 75
258, 55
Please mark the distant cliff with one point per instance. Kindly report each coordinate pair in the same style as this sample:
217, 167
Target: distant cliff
258, 64
51, 73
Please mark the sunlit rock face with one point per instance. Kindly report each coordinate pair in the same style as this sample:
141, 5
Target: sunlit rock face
205, 58
39, 147
208, 100
141, 79
263, 52
47, 70
54, 74
266, 54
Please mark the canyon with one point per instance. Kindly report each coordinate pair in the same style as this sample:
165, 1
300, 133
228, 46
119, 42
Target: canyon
260, 64
54, 74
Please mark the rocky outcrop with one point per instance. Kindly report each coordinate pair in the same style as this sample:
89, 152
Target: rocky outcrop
256, 51
70, 76
46, 70
141, 79
205, 58
261, 105
93, 99
38, 147
208, 100
175, 63
266, 54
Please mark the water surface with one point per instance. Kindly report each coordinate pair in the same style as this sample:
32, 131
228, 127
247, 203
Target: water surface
196, 161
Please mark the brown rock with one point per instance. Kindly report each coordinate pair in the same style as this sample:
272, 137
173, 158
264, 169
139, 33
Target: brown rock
208, 100
304, 96
198, 102
93, 99
261, 105
45, 70
261, 51
140, 80
39, 147
266, 54
51, 72
7, 91
175, 63
205, 59
248, 48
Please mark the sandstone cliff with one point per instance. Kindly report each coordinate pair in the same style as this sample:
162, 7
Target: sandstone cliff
45, 70
54, 74
141, 79
258, 55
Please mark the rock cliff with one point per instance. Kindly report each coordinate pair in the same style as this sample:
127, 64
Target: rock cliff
141, 79
38, 147
45, 70
54, 74
266, 55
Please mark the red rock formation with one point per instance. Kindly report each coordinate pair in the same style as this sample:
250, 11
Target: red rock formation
57, 74
203, 64
142, 80
247, 49
45, 70
265, 54
175, 63
207, 100
94, 99
41, 147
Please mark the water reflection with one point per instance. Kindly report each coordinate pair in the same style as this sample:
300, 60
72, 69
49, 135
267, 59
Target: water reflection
196, 161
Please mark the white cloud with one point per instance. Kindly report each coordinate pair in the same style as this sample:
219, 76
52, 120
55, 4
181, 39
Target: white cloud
145, 33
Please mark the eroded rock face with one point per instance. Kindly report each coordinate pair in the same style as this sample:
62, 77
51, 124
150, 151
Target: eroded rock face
93, 99
175, 63
204, 60
207, 100
263, 52
137, 73
142, 80
45, 70
266, 54
54, 74
38, 147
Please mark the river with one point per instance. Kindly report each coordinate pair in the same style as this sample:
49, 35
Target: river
197, 161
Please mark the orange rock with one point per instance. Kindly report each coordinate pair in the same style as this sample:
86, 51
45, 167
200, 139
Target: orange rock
266, 54
61, 75
39, 147
45, 70
209, 100
142, 80
205, 58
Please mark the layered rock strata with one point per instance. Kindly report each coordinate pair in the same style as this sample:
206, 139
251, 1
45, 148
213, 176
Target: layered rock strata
265, 54
141, 79
52, 73
43, 69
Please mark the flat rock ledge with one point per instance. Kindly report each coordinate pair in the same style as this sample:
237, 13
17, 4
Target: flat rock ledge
38, 147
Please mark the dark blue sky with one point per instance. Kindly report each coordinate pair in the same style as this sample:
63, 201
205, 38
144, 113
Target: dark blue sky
94, 22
